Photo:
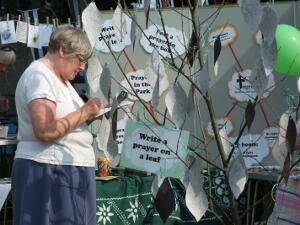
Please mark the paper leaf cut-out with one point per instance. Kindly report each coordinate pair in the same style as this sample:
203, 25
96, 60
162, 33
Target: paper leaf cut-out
279, 153
291, 135
155, 94
268, 54
105, 82
225, 141
258, 79
104, 132
119, 23
93, 73
111, 151
190, 106
165, 200
249, 114
92, 21
147, 10
195, 197
217, 49
176, 104
156, 183
286, 168
283, 126
268, 24
133, 30
203, 78
237, 175
252, 13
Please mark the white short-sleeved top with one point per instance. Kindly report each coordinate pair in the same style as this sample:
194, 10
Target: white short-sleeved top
75, 148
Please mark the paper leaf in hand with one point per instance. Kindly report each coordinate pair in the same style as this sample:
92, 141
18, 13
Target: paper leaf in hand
156, 183
291, 135
195, 197
237, 175
258, 79
147, 10
268, 54
92, 22
268, 24
165, 200
252, 13
93, 73
286, 168
176, 104
119, 22
105, 82
217, 49
249, 114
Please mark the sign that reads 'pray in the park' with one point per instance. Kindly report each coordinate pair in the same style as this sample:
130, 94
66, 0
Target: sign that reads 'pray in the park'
155, 38
154, 149
140, 84
109, 38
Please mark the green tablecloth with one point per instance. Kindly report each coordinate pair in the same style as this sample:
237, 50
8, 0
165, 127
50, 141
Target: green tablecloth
129, 200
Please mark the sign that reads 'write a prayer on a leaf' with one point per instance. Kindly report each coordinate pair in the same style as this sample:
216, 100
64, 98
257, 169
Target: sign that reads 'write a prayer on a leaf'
172, 41
154, 149
108, 38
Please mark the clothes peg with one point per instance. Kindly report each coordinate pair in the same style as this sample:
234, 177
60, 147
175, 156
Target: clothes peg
69, 20
7, 17
47, 20
19, 17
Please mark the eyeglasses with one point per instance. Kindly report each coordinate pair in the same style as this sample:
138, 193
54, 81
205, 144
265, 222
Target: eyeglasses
8, 49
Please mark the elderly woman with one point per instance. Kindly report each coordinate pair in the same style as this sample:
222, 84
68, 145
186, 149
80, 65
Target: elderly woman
53, 177
7, 59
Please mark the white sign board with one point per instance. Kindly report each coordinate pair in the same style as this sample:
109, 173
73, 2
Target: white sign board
108, 37
140, 84
154, 149
155, 38
241, 89
254, 148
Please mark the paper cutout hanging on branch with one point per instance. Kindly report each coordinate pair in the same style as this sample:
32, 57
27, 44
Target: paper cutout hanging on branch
249, 114
241, 90
155, 38
105, 82
268, 24
227, 33
92, 22
237, 175
221, 123
252, 13
176, 104
152, 148
93, 73
227, 146
195, 197
271, 134
202, 75
268, 55
119, 22
258, 79
8, 32
156, 183
254, 148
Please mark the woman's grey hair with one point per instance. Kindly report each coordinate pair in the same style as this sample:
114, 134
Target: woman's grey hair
73, 41
7, 56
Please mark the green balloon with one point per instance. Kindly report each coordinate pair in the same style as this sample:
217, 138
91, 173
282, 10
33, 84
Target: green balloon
288, 50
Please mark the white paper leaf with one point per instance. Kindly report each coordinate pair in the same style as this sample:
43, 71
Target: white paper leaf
155, 95
156, 183
268, 24
92, 21
111, 152
176, 104
133, 28
93, 73
283, 124
190, 158
258, 78
279, 153
252, 13
238, 176
119, 23
225, 141
203, 78
105, 82
195, 197
190, 102
268, 54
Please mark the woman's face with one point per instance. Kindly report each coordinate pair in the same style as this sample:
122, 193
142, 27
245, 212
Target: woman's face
72, 66
3, 68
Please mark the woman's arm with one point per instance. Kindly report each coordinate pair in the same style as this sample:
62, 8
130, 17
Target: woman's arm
47, 127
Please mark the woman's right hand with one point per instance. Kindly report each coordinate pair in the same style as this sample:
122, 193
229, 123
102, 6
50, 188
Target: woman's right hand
92, 108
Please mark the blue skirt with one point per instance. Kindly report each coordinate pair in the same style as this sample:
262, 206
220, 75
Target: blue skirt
45, 194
